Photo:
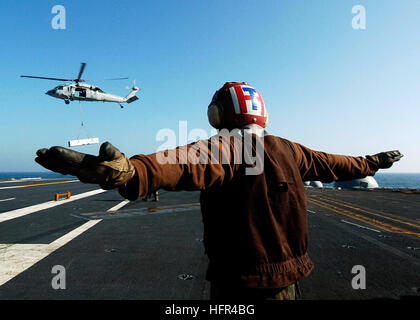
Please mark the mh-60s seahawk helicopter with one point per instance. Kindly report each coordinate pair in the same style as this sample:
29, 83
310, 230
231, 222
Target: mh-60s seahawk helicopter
86, 92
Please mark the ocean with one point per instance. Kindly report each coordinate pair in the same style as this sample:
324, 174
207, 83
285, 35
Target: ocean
384, 180
398, 180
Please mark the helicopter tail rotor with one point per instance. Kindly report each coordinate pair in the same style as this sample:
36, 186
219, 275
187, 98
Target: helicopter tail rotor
132, 95
134, 87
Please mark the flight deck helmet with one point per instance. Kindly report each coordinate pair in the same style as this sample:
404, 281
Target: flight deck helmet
236, 105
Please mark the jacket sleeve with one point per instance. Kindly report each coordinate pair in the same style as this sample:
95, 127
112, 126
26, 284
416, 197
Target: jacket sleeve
326, 167
192, 167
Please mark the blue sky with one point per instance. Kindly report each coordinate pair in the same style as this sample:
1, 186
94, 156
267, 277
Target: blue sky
325, 85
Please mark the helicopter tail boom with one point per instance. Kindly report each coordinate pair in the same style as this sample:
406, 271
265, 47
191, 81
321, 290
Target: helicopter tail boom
132, 96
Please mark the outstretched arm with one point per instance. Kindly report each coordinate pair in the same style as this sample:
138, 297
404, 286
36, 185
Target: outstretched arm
185, 168
326, 167
197, 166
110, 169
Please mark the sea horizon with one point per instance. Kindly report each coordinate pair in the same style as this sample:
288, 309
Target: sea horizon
397, 180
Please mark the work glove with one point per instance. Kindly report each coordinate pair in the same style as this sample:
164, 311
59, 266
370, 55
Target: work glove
111, 169
384, 160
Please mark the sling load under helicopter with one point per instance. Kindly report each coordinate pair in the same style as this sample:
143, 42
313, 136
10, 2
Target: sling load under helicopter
85, 92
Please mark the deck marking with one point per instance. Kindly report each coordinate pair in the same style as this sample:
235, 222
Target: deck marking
376, 223
382, 245
113, 214
378, 243
119, 206
71, 235
384, 215
358, 225
7, 199
24, 179
38, 184
8, 215
16, 258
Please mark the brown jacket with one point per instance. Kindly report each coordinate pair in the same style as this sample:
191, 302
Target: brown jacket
255, 226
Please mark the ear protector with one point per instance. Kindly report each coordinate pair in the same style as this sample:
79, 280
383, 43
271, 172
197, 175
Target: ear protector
215, 116
215, 112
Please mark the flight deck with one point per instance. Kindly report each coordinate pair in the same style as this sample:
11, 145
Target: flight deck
365, 244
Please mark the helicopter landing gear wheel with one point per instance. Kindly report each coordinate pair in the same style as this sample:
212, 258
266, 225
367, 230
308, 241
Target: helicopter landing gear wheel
67, 101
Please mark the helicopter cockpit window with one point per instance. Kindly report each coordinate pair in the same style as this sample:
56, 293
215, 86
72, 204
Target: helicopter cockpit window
97, 89
60, 88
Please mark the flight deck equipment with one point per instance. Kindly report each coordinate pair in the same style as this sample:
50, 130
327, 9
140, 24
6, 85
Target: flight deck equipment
57, 195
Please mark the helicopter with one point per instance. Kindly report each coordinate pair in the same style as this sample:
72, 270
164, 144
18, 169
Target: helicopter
85, 92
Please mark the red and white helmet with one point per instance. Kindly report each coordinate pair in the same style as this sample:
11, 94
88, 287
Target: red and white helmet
236, 105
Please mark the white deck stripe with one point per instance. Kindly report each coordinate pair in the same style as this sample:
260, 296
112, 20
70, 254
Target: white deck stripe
358, 225
119, 206
46, 205
7, 199
16, 258
12, 187
71, 235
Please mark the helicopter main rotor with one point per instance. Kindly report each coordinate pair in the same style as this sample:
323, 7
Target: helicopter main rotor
82, 68
78, 80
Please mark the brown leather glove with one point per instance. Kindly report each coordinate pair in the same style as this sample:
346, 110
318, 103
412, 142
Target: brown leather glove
384, 160
111, 169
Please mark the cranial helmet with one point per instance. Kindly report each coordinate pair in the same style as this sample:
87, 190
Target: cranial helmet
236, 105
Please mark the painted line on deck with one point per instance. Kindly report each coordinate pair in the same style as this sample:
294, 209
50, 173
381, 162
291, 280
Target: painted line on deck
171, 209
38, 184
119, 206
7, 199
71, 235
358, 225
376, 223
8, 215
16, 258
388, 216
376, 242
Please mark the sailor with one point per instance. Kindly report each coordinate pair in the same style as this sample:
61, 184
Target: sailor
254, 214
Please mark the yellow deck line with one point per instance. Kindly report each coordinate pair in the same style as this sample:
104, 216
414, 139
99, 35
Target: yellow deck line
46, 183
389, 216
372, 222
